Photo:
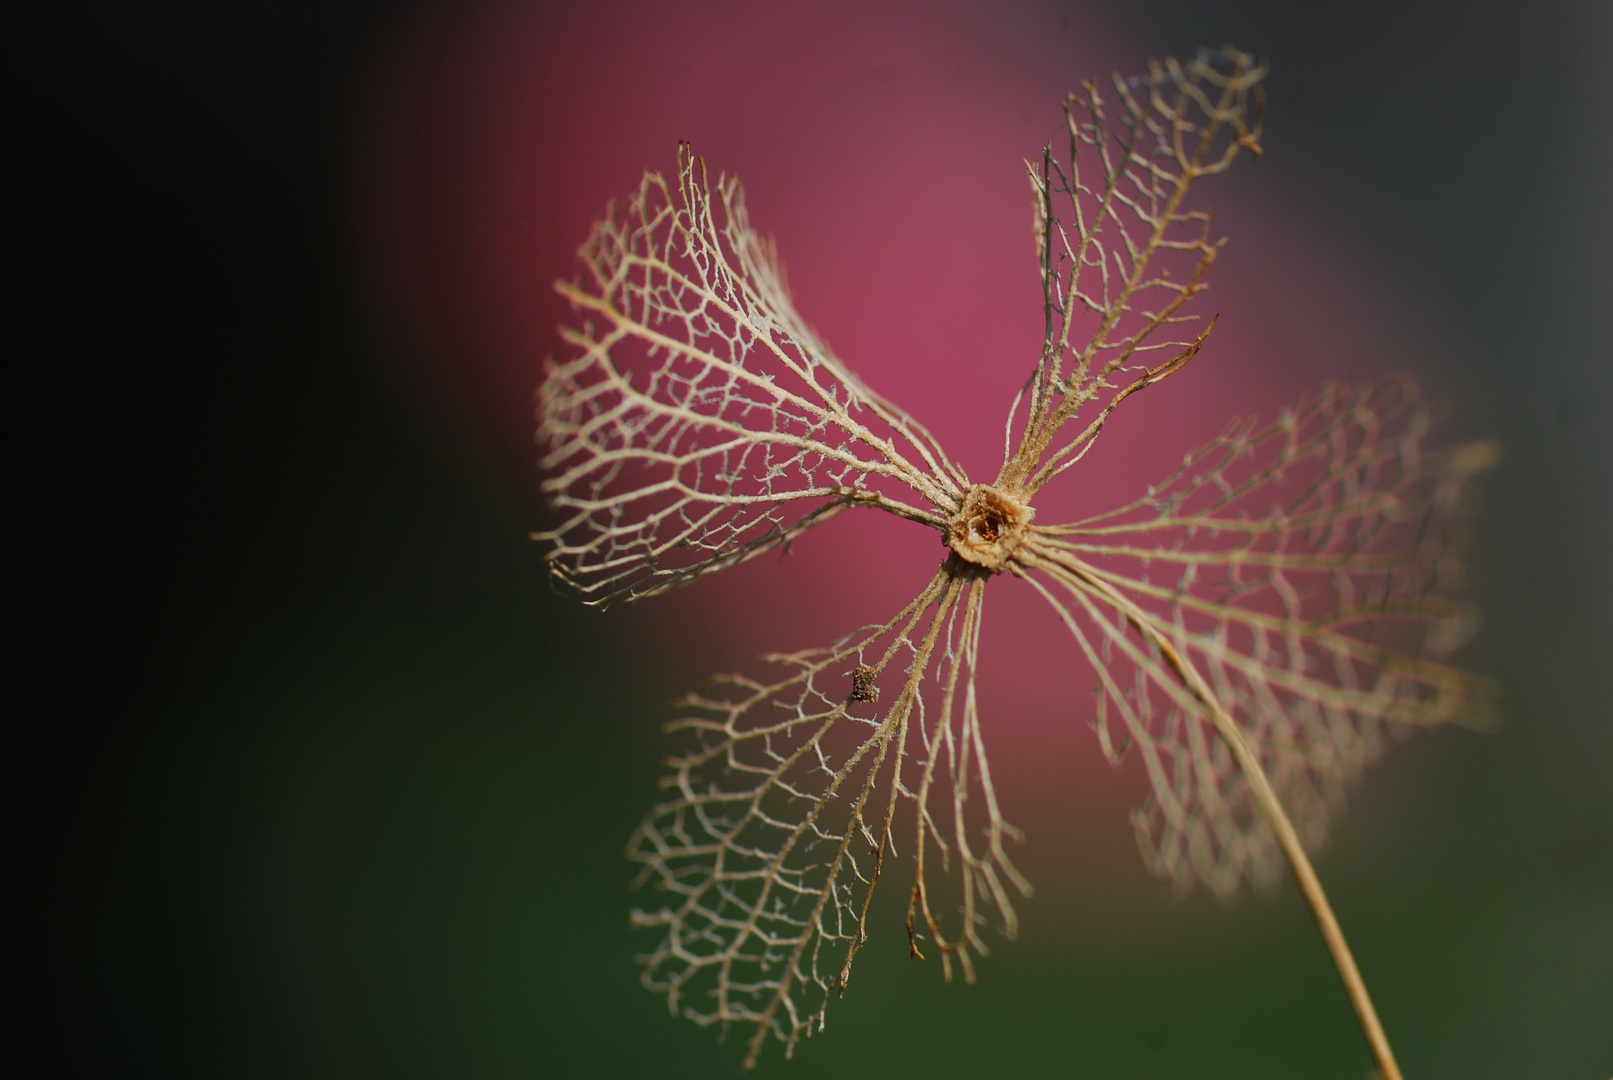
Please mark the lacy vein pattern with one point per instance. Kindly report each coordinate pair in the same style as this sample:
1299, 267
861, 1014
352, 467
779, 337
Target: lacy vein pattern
1268, 618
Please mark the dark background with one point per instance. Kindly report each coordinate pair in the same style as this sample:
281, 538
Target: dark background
314, 776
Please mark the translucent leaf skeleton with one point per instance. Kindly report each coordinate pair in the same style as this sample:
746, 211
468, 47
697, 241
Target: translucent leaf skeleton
1260, 624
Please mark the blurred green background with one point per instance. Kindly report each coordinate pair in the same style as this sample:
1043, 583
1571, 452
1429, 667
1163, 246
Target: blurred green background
318, 778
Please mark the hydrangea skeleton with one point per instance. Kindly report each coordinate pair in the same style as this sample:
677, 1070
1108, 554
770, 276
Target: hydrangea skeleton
1260, 624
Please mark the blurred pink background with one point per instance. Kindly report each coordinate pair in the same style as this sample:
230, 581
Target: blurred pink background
883, 148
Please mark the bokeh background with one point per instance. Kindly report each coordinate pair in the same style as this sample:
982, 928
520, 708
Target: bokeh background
316, 777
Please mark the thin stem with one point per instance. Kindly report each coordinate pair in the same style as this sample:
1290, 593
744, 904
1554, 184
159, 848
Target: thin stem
1272, 809
1311, 886
1304, 873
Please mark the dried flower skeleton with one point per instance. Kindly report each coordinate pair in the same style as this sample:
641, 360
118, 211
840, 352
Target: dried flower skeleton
1258, 624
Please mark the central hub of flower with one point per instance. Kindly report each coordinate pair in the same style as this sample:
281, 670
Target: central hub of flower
988, 527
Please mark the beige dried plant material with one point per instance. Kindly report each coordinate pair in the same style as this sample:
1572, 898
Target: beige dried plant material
1261, 624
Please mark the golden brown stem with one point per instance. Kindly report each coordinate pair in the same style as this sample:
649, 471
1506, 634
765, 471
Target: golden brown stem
1309, 884
1272, 810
